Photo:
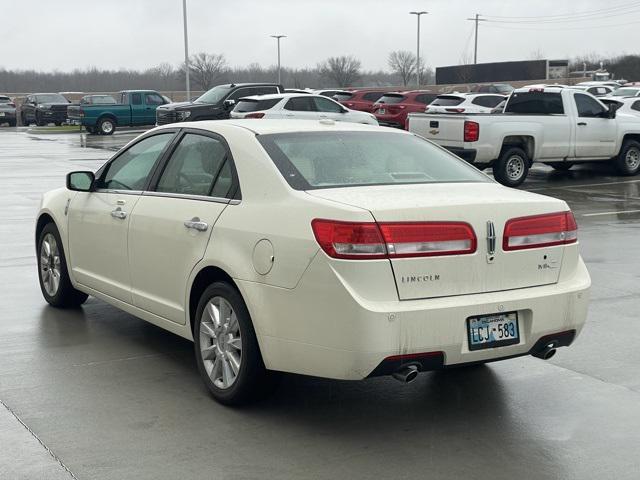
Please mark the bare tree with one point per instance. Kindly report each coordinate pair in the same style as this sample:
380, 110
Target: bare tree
403, 63
344, 71
206, 68
165, 72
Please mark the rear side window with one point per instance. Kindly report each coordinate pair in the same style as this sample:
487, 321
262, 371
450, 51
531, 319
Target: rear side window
588, 106
372, 96
250, 105
311, 160
193, 166
300, 104
535, 103
449, 101
636, 106
343, 96
391, 98
489, 101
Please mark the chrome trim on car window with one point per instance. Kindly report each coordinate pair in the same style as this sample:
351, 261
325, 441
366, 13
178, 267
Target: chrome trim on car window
119, 192
190, 197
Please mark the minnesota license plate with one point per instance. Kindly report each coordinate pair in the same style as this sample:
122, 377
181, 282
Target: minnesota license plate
382, 111
496, 330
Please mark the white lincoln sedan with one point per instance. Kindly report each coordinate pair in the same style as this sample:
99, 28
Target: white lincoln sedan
329, 249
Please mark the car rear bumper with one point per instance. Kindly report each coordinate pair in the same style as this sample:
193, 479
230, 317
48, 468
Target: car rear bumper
7, 116
322, 328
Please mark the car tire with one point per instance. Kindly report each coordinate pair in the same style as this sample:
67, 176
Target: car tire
512, 168
39, 121
53, 276
233, 375
24, 120
106, 126
628, 161
12, 123
58, 124
561, 166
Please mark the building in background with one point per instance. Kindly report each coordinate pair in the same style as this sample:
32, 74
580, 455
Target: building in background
503, 72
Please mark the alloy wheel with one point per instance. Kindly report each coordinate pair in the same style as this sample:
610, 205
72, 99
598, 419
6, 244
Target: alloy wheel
50, 269
220, 342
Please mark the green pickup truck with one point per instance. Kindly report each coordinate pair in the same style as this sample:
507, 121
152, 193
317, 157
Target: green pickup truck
135, 107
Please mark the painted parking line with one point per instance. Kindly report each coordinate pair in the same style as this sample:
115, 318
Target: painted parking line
609, 213
582, 186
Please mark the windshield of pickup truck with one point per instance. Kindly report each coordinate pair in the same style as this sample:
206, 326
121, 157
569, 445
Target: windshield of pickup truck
535, 103
215, 95
312, 160
51, 98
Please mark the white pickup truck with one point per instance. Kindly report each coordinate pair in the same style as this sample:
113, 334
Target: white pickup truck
553, 125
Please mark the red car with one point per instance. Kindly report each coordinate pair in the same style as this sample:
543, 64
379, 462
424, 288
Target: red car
362, 100
392, 108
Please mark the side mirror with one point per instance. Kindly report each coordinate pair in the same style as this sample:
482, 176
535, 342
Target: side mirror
80, 181
229, 104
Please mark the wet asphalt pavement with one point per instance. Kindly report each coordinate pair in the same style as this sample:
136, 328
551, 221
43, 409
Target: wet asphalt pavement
95, 393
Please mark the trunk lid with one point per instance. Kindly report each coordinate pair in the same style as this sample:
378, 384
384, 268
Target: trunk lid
440, 128
475, 204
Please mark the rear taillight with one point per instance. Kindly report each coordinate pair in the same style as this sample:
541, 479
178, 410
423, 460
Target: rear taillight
540, 231
350, 105
254, 115
428, 239
455, 110
81, 112
471, 131
349, 240
370, 240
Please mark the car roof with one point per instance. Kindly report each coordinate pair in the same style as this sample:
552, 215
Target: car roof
267, 126
277, 96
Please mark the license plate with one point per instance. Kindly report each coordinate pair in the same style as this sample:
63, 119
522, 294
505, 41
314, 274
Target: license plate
496, 330
382, 111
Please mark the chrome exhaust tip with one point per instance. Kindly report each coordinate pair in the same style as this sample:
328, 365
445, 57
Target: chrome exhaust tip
546, 352
406, 374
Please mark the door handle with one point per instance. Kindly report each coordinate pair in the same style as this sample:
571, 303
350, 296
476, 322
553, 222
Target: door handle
582, 124
119, 213
196, 224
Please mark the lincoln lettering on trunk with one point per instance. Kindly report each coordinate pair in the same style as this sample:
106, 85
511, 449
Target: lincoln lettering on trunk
420, 278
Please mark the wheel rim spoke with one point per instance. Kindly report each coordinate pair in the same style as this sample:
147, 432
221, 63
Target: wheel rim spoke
220, 342
50, 265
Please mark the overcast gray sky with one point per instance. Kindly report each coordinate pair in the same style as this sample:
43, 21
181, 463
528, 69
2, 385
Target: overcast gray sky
65, 34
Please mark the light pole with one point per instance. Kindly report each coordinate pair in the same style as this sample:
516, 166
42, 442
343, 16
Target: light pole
186, 48
278, 37
417, 14
476, 19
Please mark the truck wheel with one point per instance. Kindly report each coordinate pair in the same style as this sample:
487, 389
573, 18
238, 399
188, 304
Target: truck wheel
25, 122
561, 166
512, 168
106, 126
628, 161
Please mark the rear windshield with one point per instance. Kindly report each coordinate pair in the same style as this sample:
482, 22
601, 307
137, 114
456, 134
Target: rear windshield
625, 92
250, 105
343, 96
4, 99
313, 160
535, 103
447, 102
391, 98
51, 98
101, 100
